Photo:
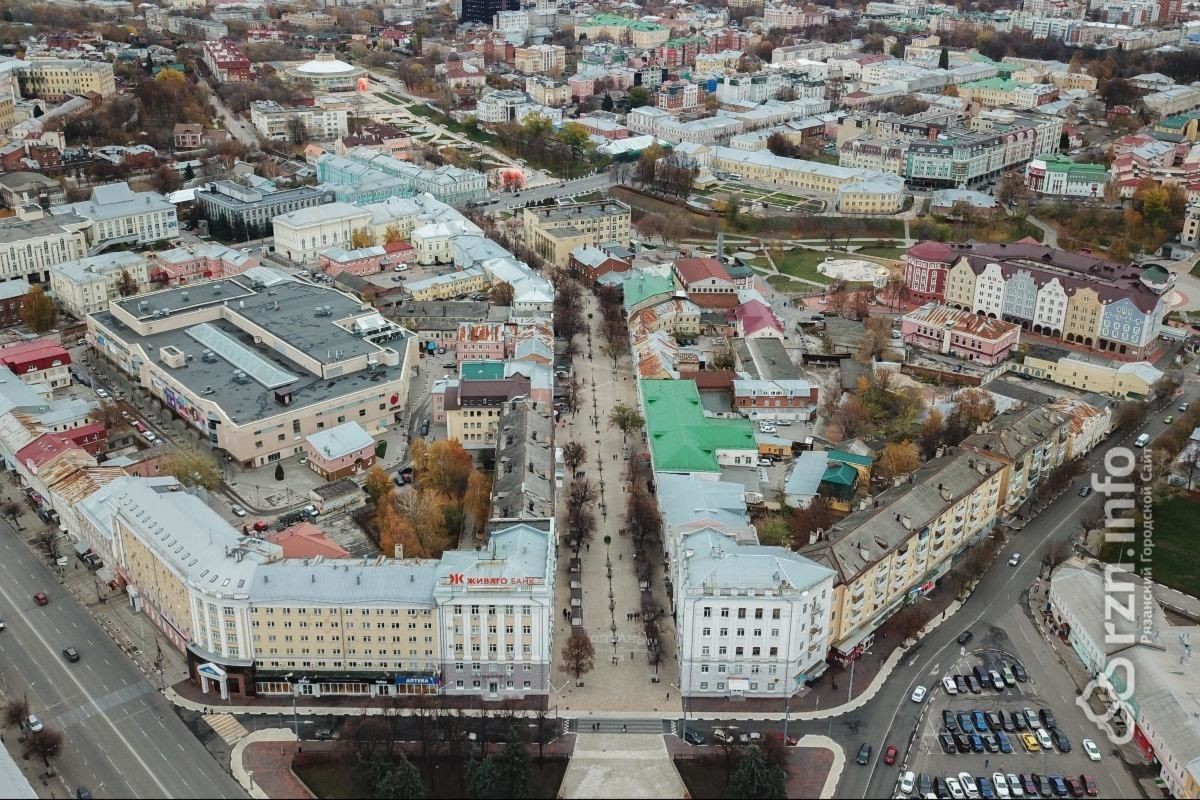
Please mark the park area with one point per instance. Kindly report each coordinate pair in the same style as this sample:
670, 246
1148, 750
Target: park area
1172, 559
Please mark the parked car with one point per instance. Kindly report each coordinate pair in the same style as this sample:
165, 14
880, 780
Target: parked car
1060, 740
985, 788
238, 511
1019, 672
1003, 742
997, 680
924, 785
962, 742
946, 740
954, 788
1089, 786
1047, 718
1043, 737
960, 683
35, 724
967, 781
1058, 785
1074, 787
693, 736
964, 722
1030, 742
1034, 720
949, 685
907, 781
948, 720
864, 754
976, 743
980, 721
973, 685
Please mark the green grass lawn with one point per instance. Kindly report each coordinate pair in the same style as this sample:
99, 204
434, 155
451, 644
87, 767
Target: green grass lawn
883, 252
802, 263
388, 98
1176, 547
781, 284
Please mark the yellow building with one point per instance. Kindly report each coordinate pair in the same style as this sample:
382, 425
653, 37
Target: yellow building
960, 286
547, 91
554, 231
1089, 374
895, 551
56, 79
450, 285
1082, 321
1031, 442
540, 59
373, 624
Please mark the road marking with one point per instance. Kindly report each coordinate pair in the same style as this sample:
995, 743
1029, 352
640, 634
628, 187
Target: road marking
83, 691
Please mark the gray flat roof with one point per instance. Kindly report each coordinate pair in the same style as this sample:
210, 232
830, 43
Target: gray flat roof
295, 323
15, 229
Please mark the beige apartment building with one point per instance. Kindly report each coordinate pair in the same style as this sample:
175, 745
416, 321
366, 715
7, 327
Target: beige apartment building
540, 59
1031, 442
259, 361
56, 79
318, 617
554, 231
895, 551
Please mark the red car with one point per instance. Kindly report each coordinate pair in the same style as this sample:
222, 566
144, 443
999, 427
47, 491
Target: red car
41, 599
261, 526
1089, 785
889, 755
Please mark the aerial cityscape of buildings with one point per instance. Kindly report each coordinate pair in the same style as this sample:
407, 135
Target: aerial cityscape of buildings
354, 346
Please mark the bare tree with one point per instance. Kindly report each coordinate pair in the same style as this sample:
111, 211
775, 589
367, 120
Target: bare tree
16, 710
44, 744
578, 655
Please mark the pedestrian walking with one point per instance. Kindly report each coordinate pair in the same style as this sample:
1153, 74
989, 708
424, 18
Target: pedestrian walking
624, 728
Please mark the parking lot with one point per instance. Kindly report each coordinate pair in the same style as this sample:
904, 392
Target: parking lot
985, 756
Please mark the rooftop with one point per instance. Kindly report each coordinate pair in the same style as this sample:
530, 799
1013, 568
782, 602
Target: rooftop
347, 438
681, 437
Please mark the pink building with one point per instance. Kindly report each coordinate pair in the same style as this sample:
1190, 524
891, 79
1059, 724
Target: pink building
480, 341
582, 87
756, 320
340, 452
184, 265
960, 334
925, 267
363, 261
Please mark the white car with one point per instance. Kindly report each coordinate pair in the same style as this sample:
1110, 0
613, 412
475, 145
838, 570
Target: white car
400, 268
918, 694
1014, 785
1016, 559
949, 685
906, 782
150, 437
955, 788
102, 394
968, 784
1090, 748
35, 724
238, 511
766, 428
1043, 737
1000, 784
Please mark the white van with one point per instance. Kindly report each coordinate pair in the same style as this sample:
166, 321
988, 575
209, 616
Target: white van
1142, 440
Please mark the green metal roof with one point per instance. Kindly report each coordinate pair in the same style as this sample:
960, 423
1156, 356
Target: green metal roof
681, 438
850, 458
644, 285
839, 474
482, 370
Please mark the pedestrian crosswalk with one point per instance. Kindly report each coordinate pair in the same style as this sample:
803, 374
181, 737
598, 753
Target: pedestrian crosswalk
621, 726
226, 726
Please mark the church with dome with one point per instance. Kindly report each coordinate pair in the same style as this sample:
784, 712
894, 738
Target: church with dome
325, 73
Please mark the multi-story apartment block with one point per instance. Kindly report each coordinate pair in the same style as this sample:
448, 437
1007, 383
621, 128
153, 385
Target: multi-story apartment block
523, 484
253, 209
1074, 297
1005, 92
227, 62
325, 121
960, 334
639, 33
1031, 442
540, 59
788, 17
119, 215
1058, 175
553, 232
88, 285
330, 360
754, 621
880, 155
473, 411
55, 79
896, 551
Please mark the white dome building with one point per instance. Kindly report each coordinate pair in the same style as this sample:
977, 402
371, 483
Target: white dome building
325, 73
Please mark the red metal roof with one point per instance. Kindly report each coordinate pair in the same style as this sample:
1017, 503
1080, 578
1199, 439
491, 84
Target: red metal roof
36, 355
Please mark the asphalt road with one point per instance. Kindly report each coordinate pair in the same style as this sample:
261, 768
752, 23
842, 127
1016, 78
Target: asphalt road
891, 715
121, 737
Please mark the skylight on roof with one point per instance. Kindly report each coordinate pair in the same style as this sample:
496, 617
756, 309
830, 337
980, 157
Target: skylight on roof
240, 356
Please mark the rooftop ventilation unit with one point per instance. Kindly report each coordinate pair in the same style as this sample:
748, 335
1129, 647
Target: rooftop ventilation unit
240, 377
